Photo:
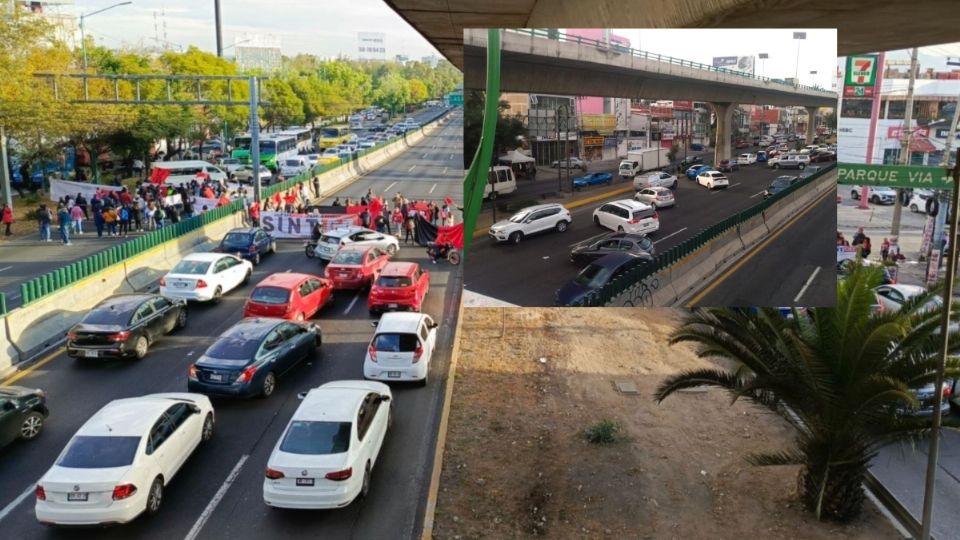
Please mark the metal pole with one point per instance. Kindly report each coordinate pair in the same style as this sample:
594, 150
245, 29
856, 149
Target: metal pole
216, 9
4, 170
934, 453
556, 122
906, 135
255, 138
83, 45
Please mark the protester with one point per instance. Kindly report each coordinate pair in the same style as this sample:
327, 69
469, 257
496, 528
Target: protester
110, 219
123, 217
411, 227
76, 218
865, 247
7, 219
858, 238
44, 218
63, 219
82, 203
885, 249
99, 222
159, 215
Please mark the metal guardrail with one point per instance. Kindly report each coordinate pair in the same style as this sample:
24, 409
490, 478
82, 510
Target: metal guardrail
534, 32
677, 253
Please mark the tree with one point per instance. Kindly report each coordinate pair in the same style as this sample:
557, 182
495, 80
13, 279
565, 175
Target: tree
509, 128
841, 376
393, 93
417, 90
285, 109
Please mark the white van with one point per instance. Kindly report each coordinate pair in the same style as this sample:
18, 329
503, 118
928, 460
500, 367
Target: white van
629, 168
500, 181
293, 166
182, 172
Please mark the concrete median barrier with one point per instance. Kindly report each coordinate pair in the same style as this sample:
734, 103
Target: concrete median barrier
8, 353
753, 230
725, 247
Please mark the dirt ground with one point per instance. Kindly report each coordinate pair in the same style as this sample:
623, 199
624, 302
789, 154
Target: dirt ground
516, 464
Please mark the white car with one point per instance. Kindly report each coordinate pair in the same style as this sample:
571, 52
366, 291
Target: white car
572, 163
663, 179
312, 159
746, 159
809, 148
205, 276
658, 196
331, 241
229, 165
118, 463
627, 215
401, 348
245, 174
365, 145
892, 297
918, 200
293, 166
531, 220
876, 194
327, 452
713, 180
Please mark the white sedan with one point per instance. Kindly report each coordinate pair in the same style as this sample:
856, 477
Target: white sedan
327, 452
331, 241
118, 463
205, 276
713, 179
893, 297
657, 179
245, 174
401, 348
656, 196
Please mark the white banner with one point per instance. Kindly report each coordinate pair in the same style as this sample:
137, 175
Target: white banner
67, 188
200, 202
283, 225
172, 200
846, 252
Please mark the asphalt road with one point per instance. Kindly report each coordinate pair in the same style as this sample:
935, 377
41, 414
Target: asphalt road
800, 262
25, 258
538, 266
247, 430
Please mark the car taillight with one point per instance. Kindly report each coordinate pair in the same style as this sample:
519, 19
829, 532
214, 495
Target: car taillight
192, 371
163, 282
273, 474
252, 249
247, 375
71, 335
40, 493
340, 475
633, 221
201, 284
417, 354
372, 351
947, 391
119, 336
123, 491
656, 216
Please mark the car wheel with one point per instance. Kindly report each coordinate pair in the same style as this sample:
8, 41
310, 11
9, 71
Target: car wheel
155, 496
561, 226
596, 220
246, 277
365, 487
493, 195
269, 385
140, 347
913, 208
309, 252
875, 199
776, 165
391, 250
620, 229
207, 432
182, 318
256, 259
801, 166
273, 247
516, 237
217, 294
426, 378
31, 426
854, 195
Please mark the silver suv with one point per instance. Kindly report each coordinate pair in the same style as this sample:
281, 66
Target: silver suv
792, 161
531, 220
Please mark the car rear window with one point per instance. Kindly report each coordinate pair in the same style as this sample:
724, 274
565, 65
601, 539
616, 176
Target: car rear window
592, 276
293, 162
231, 348
643, 214
348, 257
316, 438
329, 239
394, 281
270, 295
191, 267
236, 239
95, 452
108, 316
395, 342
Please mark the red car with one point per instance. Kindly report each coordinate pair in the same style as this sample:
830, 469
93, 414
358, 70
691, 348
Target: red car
289, 295
356, 266
401, 285
743, 144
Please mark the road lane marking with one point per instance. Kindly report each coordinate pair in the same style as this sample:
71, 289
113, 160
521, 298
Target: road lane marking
352, 303
451, 156
412, 167
434, 187
807, 284
388, 187
445, 170
757, 193
208, 511
16, 502
669, 235
23, 373
5, 268
424, 155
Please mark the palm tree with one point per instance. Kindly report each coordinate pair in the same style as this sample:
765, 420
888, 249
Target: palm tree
841, 376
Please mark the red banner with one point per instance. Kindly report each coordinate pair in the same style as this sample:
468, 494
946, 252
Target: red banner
157, 175
452, 235
683, 105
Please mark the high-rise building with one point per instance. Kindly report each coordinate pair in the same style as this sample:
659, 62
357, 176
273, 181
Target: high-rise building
371, 46
59, 14
431, 60
402, 58
255, 51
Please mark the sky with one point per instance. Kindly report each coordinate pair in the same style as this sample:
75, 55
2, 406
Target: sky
817, 53
324, 28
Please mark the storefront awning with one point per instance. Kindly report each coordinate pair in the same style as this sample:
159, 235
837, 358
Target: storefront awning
922, 145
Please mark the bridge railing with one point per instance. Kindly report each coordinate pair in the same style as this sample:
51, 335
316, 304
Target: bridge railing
557, 36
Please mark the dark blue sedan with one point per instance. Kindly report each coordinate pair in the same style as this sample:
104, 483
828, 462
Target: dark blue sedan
593, 179
695, 171
597, 274
249, 243
246, 360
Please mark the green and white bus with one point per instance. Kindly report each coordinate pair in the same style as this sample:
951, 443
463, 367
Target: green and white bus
241, 148
272, 148
304, 138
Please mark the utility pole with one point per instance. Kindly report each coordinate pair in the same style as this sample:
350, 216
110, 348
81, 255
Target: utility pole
216, 9
941, 219
906, 134
255, 137
5, 182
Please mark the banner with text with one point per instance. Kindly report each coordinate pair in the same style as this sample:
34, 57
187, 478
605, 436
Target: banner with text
283, 225
67, 188
905, 176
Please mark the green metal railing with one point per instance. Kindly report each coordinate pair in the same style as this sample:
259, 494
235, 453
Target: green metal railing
677, 253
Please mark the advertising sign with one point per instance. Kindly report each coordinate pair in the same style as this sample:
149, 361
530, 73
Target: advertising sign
942, 134
661, 112
861, 70
593, 141
858, 91
683, 105
933, 269
724, 61
895, 132
927, 235
893, 176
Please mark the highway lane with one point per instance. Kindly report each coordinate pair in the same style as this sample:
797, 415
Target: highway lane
800, 262
504, 271
247, 430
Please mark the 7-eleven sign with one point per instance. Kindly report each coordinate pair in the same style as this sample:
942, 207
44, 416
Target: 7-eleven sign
861, 70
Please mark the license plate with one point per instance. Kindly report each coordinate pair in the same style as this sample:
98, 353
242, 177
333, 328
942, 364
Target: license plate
216, 377
304, 481
394, 374
77, 496
181, 285
344, 275
90, 354
391, 305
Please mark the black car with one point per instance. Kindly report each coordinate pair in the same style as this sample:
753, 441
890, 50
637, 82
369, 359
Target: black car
634, 244
246, 360
248, 242
810, 170
125, 326
779, 184
23, 412
597, 274
690, 160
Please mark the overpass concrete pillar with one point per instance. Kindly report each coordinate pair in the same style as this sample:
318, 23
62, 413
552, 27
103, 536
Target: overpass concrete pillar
724, 112
811, 116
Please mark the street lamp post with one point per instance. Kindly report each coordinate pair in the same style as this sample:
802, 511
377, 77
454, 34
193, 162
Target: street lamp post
763, 57
796, 71
83, 39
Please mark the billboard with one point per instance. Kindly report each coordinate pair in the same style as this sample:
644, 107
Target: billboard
744, 64
724, 61
683, 105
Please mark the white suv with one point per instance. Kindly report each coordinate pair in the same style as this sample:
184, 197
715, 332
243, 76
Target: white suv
531, 220
628, 216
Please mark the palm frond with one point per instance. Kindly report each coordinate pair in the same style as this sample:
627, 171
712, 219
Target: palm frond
695, 379
772, 459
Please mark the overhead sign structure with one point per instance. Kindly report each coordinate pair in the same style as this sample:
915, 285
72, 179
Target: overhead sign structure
904, 176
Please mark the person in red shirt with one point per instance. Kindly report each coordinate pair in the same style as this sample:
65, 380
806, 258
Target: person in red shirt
290, 199
208, 193
223, 201
376, 207
125, 197
255, 212
7, 219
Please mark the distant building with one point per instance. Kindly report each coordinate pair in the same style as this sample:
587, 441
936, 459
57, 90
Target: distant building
256, 51
59, 14
402, 58
432, 60
371, 46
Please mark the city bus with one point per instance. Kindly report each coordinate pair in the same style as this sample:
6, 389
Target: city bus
241, 148
304, 138
334, 135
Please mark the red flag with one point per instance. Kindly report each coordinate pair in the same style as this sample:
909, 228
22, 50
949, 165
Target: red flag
452, 235
448, 201
158, 175
202, 175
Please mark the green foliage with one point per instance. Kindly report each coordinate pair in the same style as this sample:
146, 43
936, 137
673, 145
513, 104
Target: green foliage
603, 432
510, 129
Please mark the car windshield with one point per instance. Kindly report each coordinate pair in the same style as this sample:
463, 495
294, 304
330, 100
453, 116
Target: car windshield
394, 281
96, 452
519, 216
395, 342
236, 239
191, 267
108, 316
592, 277
316, 438
233, 348
293, 162
348, 257
270, 295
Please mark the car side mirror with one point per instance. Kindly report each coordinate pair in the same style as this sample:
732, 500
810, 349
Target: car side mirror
433, 325
374, 323
384, 398
301, 395
194, 409
9, 406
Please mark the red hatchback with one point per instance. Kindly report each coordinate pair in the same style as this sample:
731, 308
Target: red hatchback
401, 285
289, 295
356, 266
